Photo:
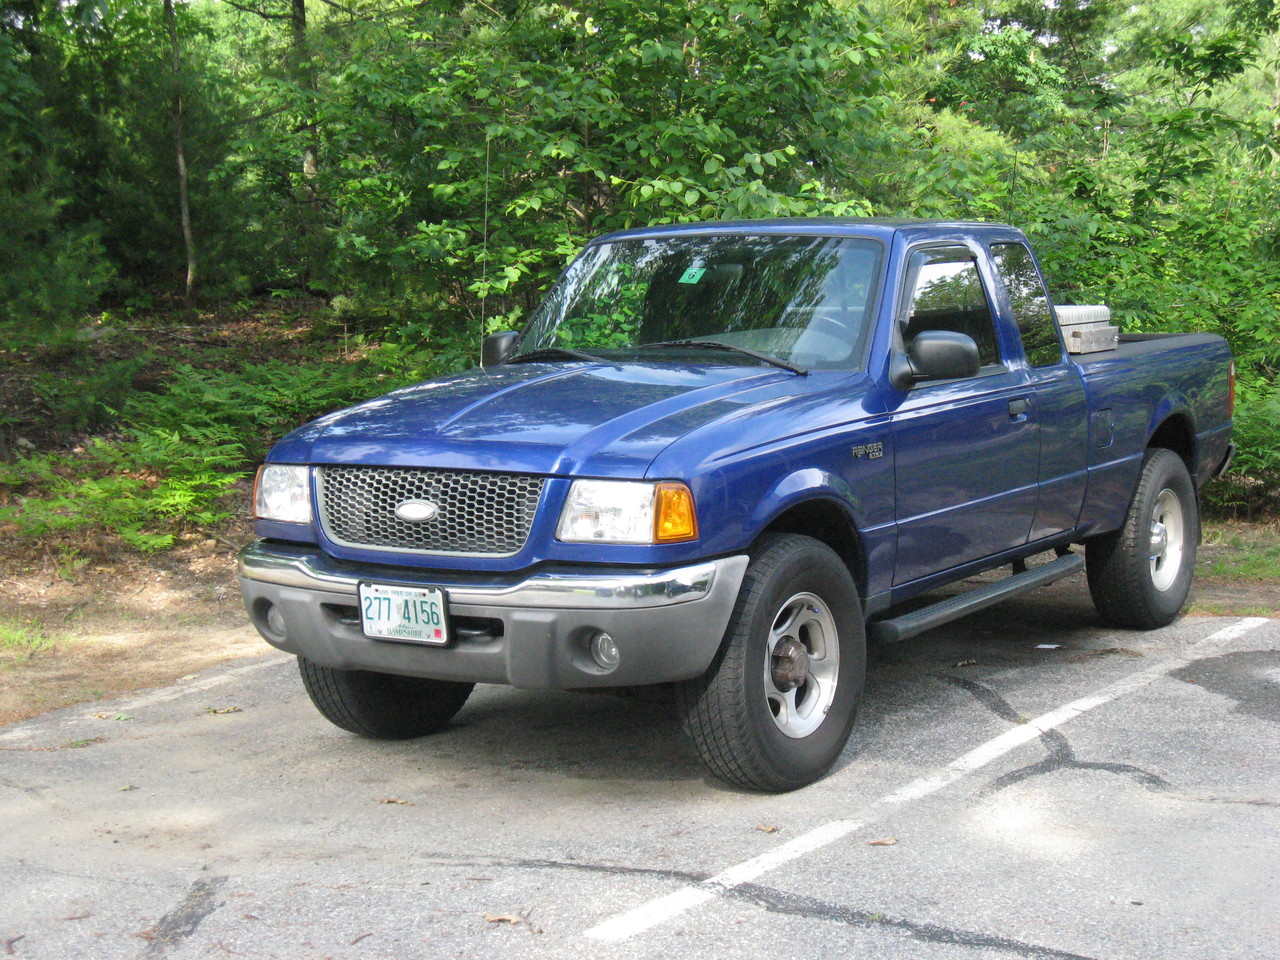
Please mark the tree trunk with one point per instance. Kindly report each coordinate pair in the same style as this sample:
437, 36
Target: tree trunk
179, 149
302, 61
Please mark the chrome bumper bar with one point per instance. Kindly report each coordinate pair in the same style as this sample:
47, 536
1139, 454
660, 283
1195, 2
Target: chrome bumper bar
308, 568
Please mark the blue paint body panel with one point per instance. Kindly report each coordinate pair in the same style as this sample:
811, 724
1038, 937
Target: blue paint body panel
932, 483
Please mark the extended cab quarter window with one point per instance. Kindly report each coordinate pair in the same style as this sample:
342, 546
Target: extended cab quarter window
947, 294
1030, 304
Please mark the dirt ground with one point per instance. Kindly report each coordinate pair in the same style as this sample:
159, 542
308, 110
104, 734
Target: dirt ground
97, 628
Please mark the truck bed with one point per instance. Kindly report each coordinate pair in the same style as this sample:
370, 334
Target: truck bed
1145, 380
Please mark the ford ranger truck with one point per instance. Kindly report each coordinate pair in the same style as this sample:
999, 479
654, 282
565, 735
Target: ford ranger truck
721, 456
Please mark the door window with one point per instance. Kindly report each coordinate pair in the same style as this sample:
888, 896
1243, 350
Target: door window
1030, 304
947, 294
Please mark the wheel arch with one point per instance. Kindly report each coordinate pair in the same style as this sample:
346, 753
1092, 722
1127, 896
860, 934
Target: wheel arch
1175, 431
826, 519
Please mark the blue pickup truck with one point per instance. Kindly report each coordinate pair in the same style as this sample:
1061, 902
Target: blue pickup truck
722, 456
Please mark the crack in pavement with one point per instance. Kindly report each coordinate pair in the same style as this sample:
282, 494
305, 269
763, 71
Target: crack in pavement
780, 902
532, 863
181, 922
811, 908
7, 862
30, 789
1061, 755
986, 696
1246, 801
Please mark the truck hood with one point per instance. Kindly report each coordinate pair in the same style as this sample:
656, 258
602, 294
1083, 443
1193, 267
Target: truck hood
596, 419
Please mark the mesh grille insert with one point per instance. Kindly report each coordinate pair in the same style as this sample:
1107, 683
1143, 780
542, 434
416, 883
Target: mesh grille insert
479, 514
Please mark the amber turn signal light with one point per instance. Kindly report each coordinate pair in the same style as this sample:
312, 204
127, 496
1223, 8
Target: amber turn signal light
675, 519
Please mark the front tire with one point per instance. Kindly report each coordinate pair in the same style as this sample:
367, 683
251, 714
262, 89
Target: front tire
774, 709
1140, 575
382, 706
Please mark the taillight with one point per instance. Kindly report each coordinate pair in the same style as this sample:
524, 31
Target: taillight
1231, 389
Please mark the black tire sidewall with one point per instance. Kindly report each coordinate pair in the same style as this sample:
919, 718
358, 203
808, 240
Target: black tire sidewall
1119, 568
381, 706
808, 566
1168, 472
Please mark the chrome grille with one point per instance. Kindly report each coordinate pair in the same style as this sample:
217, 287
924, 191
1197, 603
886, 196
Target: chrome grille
477, 514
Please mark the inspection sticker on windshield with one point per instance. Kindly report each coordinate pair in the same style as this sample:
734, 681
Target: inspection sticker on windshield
692, 275
412, 614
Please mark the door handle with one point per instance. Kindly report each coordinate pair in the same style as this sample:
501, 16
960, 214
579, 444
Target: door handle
1018, 409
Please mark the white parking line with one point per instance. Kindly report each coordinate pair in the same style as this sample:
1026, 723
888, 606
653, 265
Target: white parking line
648, 915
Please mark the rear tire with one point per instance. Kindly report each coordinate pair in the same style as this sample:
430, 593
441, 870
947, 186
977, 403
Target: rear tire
774, 709
1140, 575
382, 706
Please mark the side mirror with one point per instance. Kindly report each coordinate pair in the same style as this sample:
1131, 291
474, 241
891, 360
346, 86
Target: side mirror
936, 355
497, 348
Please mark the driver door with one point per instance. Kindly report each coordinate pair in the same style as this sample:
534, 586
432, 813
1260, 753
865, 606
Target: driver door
966, 451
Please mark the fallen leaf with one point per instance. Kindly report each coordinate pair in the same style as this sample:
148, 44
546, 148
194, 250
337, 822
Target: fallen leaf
395, 800
883, 842
127, 787
221, 710
510, 918
361, 937
8, 944
108, 715
767, 828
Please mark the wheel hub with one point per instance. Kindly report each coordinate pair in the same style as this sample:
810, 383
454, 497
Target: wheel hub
801, 665
790, 664
1168, 540
1159, 538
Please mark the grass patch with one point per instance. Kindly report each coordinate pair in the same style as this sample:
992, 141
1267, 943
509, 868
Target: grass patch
19, 641
1219, 609
1238, 552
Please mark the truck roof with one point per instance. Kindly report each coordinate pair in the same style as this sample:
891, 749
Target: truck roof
881, 228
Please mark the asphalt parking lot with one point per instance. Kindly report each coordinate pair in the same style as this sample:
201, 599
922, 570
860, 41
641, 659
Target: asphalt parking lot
1020, 784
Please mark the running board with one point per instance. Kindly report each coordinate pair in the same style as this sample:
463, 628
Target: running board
926, 618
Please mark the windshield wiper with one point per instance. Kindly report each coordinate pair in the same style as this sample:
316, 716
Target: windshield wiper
717, 345
555, 353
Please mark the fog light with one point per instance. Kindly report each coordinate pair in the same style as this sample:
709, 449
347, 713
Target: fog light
604, 651
275, 620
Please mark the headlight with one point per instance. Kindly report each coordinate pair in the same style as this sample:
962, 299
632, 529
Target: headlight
282, 492
627, 511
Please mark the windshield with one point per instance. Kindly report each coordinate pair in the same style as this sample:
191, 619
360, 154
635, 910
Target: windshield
803, 300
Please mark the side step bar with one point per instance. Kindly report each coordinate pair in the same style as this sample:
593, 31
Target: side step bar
926, 618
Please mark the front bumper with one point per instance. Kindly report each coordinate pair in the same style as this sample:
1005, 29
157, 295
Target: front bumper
534, 632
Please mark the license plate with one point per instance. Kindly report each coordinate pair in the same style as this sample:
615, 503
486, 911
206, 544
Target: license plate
413, 614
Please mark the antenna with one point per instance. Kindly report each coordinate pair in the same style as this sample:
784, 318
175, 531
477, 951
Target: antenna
484, 251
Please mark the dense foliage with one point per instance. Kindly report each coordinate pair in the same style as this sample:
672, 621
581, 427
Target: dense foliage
426, 167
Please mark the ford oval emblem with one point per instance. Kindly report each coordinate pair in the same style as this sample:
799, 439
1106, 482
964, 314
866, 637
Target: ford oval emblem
416, 511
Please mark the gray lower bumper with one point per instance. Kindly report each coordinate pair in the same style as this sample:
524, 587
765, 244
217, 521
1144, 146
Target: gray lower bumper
534, 633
